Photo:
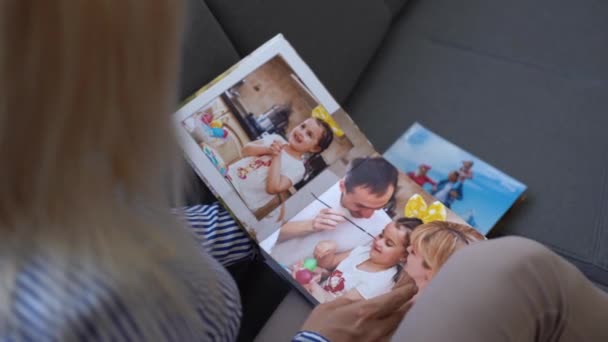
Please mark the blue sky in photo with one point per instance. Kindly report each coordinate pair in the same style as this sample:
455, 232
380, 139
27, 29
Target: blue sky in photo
487, 196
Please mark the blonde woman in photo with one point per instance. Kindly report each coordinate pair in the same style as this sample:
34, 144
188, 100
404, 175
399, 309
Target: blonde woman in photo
431, 246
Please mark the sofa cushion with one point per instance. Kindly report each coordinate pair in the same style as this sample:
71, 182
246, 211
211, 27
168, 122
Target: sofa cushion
395, 6
541, 120
206, 50
336, 38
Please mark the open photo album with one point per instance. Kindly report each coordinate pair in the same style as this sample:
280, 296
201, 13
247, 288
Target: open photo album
329, 212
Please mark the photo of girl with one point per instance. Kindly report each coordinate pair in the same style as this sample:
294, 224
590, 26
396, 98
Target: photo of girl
406, 250
269, 135
272, 164
365, 271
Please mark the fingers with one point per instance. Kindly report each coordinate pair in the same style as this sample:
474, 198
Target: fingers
340, 302
385, 305
406, 307
333, 214
320, 253
387, 319
383, 329
325, 224
334, 219
294, 270
328, 219
404, 280
276, 147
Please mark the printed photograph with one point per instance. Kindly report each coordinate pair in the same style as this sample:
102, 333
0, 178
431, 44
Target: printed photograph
353, 238
268, 137
476, 191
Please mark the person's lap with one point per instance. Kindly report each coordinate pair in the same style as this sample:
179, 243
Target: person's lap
504, 286
261, 289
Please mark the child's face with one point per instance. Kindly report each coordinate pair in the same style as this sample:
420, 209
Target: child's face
422, 170
389, 248
305, 137
415, 267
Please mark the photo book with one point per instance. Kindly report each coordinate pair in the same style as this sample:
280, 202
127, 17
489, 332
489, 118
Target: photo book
330, 213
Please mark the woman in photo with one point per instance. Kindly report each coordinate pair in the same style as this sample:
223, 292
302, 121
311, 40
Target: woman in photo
431, 246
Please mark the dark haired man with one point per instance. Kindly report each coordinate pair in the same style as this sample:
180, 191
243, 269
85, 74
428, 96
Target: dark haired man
369, 184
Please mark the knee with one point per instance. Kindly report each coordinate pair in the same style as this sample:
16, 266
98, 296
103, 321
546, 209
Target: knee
511, 243
520, 250
507, 257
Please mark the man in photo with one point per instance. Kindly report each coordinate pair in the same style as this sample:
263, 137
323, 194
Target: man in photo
360, 196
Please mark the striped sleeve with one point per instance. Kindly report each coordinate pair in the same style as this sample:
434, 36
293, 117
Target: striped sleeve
218, 233
309, 336
78, 303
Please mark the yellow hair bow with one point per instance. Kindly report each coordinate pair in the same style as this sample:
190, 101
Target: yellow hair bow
416, 207
321, 113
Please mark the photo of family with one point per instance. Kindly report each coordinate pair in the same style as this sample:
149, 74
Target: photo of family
331, 214
476, 191
354, 239
268, 136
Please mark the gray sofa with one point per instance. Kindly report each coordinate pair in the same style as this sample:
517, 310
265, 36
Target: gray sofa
521, 84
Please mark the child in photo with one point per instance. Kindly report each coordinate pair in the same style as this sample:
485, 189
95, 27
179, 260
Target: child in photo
365, 271
465, 171
421, 177
448, 190
272, 165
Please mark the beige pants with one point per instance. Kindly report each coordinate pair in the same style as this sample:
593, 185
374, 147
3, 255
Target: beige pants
509, 289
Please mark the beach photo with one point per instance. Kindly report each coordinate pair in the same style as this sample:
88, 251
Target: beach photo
473, 189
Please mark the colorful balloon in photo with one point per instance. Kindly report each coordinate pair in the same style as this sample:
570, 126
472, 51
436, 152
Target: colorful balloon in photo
304, 276
310, 264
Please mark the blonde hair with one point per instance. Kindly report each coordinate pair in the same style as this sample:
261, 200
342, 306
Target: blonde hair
436, 241
87, 91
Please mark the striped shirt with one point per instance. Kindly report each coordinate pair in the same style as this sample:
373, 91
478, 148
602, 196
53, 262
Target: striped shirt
94, 311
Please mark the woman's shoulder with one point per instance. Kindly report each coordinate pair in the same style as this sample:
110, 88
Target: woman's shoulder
77, 300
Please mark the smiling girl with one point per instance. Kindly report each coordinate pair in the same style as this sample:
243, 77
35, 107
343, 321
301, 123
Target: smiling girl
272, 165
365, 271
